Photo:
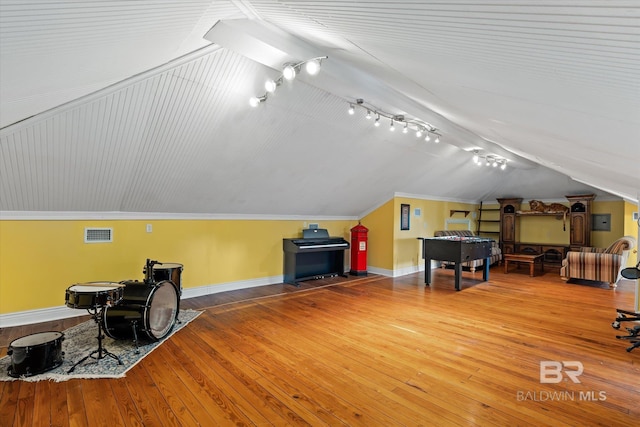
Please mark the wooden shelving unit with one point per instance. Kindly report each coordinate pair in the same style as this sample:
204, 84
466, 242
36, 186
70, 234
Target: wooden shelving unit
490, 225
579, 217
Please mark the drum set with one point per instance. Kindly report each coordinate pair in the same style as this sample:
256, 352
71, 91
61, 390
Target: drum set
122, 310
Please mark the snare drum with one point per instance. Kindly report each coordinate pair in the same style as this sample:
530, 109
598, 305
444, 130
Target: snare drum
35, 354
168, 271
150, 309
94, 295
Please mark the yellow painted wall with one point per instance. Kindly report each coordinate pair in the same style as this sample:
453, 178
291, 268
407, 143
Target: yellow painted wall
433, 214
399, 250
39, 260
380, 236
602, 239
631, 229
549, 229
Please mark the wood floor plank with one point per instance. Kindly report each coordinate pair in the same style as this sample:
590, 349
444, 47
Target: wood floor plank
285, 378
190, 390
9, 402
26, 401
42, 403
152, 395
100, 404
300, 344
58, 404
125, 404
236, 386
75, 404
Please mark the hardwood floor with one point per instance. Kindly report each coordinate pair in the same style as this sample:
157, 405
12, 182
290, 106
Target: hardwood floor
371, 351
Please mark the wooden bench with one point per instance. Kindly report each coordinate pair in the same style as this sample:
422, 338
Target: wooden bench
530, 259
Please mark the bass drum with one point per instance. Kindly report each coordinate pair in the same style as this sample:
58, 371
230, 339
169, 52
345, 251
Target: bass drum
149, 309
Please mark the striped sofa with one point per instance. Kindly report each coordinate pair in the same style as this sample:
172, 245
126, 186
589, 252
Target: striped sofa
496, 253
602, 265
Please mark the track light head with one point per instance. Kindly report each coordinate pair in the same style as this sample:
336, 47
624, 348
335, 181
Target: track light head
254, 101
312, 67
270, 86
289, 72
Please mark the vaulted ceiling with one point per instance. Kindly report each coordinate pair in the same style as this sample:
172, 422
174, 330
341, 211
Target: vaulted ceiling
142, 106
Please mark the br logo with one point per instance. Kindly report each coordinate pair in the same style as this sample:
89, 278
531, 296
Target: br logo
551, 371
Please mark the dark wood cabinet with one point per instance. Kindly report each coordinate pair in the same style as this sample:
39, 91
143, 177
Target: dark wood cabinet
579, 217
509, 223
580, 220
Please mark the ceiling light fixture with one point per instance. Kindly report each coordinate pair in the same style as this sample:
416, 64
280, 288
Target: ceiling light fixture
254, 101
270, 86
312, 66
420, 127
489, 160
289, 72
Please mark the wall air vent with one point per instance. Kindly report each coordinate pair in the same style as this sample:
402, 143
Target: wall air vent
98, 235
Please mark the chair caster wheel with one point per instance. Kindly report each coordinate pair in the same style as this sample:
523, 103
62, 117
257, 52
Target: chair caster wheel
615, 325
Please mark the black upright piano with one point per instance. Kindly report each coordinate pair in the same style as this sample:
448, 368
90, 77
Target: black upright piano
314, 256
456, 249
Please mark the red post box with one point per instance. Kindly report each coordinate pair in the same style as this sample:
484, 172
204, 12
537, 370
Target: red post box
359, 250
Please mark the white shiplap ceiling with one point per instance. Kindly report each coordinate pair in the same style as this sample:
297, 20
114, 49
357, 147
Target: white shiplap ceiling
141, 106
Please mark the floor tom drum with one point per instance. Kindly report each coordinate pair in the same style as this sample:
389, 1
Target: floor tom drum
35, 354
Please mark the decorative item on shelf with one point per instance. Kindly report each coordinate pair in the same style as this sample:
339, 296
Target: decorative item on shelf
289, 72
430, 132
538, 207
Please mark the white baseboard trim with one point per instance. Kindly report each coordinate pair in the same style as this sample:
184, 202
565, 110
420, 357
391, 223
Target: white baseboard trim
408, 270
380, 271
400, 272
229, 286
29, 317
63, 312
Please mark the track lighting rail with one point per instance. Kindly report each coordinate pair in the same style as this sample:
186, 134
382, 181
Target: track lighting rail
289, 72
418, 126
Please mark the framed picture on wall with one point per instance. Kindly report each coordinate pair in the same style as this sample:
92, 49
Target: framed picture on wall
405, 211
